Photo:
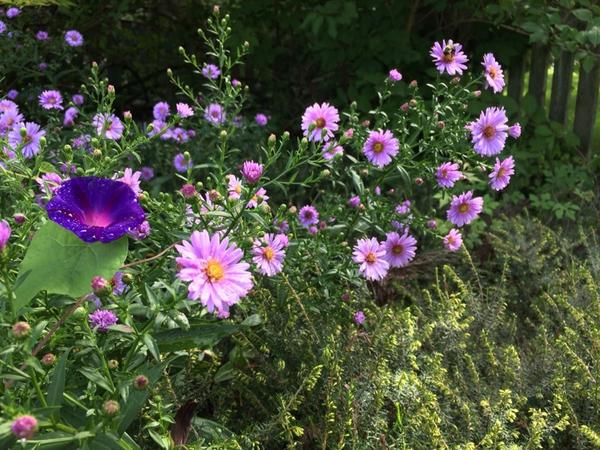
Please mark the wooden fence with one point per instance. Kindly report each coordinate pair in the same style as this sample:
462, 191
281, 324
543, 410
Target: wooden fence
586, 104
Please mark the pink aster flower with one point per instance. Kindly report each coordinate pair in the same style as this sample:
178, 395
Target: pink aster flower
49, 183
515, 130
214, 269
234, 186
108, 126
447, 174
5, 232
359, 317
211, 71
464, 208
258, 198
319, 122
24, 427
308, 216
503, 170
489, 132
161, 111
268, 254
70, 115
449, 57
453, 240
30, 142
252, 171
400, 250
394, 75
332, 149
261, 119
380, 147
131, 179
184, 110
214, 114
494, 78
403, 208
370, 255
51, 100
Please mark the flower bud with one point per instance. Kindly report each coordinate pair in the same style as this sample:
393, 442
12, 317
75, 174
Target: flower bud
404, 107
455, 80
110, 89
101, 286
476, 93
169, 72
97, 153
293, 210
111, 407
223, 135
48, 359
188, 190
432, 224
413, 84
140, 382
325, 173
345, 297
21, 330
412, 102
272, 140
113, 364
127, 115
419, 181
19, 218
441, 124
24, 427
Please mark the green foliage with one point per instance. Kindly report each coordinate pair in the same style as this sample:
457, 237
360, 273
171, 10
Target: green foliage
78, 262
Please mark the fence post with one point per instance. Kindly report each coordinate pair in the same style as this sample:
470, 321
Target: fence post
561, 87
538, 75
586, 104
516, 77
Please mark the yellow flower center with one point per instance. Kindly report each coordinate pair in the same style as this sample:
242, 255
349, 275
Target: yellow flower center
378, 147
238, 188
268, 253
320, 122
214, 270
489, 131
397, 249
501, 172
448, 57
371, 257
492, 72
463, 208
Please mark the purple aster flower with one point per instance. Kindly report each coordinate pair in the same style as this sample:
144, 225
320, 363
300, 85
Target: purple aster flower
161, 111
403, 208
29, 141
453, 240
394, 75
282, 226
147, 173
447, 174
140, 232
308, 216
70, 115
179, 135
214, 114
5, 232
213, 266
95, 209
370, 255
8, 105
49, 183
8, 119
258, 198
489, 132
449, 57
102, 319
13, 12
464, 208
82, 142
261, 120
234, 187
268, 254
24, 427
211, 71
51, 100
108, 126
319, 122
400, 250
494, 78
332, 149
77, 99
252, 171
2, 27
119, 287
42, 66
181, 163
12, 94
41, 35
380, 147
236, 83
503, 170
359, 317
131, 179
515, 130
354, 202
184, 110
74, 38
432, 224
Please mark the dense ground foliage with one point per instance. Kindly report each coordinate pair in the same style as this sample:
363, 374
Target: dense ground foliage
186, 274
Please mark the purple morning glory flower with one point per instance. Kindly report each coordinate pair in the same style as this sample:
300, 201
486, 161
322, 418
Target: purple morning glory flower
96, 209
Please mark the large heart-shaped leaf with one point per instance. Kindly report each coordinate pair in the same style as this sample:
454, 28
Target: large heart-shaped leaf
59, 262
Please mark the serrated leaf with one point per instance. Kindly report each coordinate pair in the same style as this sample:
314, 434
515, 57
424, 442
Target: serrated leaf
59, 262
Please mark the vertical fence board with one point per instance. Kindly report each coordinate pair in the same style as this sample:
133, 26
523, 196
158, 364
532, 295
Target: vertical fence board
516, 77
586, 104
561, 87
538, 75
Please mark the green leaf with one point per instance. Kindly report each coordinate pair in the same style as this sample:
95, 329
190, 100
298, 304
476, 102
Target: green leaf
95, 377
252, 321
57, 387
583, 14
59, 262
199, 335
